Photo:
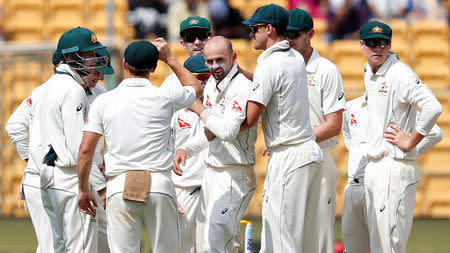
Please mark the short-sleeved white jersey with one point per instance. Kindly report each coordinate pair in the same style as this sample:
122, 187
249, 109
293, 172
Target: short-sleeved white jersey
17, 127
135, 120
185, 125
280, 85
394, 95
354, 129
227, 102
57, 117
325, 92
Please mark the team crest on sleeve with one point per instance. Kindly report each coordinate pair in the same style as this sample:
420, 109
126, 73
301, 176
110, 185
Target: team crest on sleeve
208, 102
353, 121
236, 106
29, 101
183, 124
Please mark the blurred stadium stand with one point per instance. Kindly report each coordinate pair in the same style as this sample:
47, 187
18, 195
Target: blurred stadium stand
33, 26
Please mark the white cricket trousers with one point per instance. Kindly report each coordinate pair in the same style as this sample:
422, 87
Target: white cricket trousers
159, 216
189, 201
286, 217
355, 232
390, 187
322, 210
224, 197
39, 218
102, 226
73, 231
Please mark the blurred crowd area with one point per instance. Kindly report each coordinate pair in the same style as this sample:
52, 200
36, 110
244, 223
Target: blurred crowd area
30, 29
31, 20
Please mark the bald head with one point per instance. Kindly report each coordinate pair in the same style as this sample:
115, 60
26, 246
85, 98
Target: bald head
221, 43
219, 56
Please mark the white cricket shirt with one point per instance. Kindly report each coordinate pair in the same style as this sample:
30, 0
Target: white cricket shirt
185, 125
227, 102
280, 85
135, 120
17, 127
354, 130
394, 95
325, 92
57, 117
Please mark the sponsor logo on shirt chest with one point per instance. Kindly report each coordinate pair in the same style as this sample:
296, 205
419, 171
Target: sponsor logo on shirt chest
383, 88
183, 124
311, 82
353, 121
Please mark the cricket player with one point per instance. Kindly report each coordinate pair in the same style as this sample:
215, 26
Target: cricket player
57, 118
280, 95
17, 127
140, 191
229, 180
185, 126
355, 233
394, 93
326, 104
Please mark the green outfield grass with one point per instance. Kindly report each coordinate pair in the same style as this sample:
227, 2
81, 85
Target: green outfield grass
427, 236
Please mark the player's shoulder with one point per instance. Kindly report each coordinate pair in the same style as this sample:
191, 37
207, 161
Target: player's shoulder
171, 81
99, 89
355, 103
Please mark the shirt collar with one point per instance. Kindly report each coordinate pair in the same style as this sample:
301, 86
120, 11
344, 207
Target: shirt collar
279, 46
311, 66
383, 68
226, 81
135, 82
67, 69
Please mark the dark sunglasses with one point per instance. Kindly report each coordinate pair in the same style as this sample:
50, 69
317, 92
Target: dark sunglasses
293, 34
202, 76
255, 28
375, 43
191, 37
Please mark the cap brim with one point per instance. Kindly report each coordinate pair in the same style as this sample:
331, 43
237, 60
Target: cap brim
92, 48
292, 28
250, 22
376, 36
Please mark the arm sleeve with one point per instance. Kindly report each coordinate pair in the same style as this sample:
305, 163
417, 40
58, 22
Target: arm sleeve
346, 131
430, 140
73, 114
333, 98
263, 88
227, 126
17, 128
195, 145
416, 93
183, 96
94, 121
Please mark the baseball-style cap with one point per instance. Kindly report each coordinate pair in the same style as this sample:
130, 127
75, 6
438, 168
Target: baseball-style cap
78, 39
196, 64
299, 19
194, 22
108, 70
269, 14
375, 29
141, 54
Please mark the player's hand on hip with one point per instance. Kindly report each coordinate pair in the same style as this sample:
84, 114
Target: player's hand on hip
395, 135
163, 48
179, 158
87, 202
